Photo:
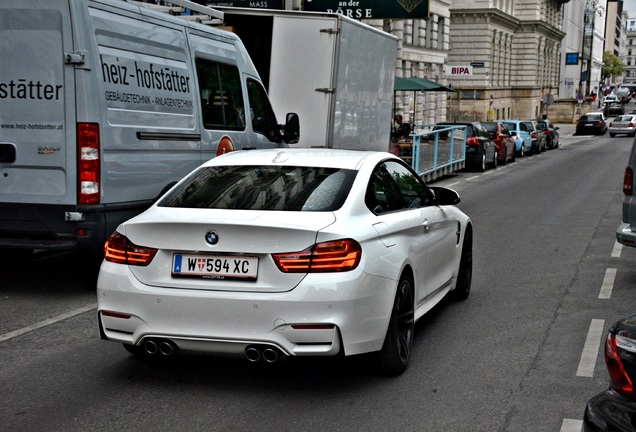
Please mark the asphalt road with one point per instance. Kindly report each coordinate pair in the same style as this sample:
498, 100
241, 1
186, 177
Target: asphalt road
511, 357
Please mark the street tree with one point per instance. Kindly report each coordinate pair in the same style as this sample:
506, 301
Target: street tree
612, 66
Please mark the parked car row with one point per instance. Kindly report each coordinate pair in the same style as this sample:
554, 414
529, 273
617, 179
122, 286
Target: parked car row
501, 141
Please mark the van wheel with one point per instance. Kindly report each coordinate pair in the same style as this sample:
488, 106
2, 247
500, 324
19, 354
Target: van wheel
393, 358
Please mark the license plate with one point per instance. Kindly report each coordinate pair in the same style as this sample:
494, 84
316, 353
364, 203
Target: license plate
215, 266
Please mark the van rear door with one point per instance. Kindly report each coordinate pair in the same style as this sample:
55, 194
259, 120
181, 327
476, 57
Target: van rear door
37, 150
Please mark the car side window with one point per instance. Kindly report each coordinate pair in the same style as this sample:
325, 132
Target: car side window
481, 131
393, 187
504, 129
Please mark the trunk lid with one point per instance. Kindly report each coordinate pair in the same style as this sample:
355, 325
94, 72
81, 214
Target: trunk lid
240, 234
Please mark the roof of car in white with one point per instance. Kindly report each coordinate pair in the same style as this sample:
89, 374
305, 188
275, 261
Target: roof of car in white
322, 157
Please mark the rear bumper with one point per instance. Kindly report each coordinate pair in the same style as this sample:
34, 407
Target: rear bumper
61, 227
625, 235
318, 317
609, 411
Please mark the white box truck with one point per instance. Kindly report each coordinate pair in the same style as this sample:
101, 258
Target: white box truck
104, 105
335, 72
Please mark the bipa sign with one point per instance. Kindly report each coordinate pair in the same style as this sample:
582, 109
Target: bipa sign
458, 70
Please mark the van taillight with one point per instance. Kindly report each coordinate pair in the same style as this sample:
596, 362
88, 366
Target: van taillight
628, 181
88, 172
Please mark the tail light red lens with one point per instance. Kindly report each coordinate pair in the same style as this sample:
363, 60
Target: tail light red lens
334, 256
119, 249
631, 124
88, 163
473, 141
534, 135
628, 181
619, 380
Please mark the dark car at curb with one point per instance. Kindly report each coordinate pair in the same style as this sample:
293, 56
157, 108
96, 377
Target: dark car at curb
537, 135
551, 133
481, 151
592, 123
613, 108
614, 409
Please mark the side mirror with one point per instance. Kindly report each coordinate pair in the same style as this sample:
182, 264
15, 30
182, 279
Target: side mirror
445, 196
291, 133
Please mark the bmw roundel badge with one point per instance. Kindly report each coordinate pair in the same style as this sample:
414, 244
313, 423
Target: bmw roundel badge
212, 237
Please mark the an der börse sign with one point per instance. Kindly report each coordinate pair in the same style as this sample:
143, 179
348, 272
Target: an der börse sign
458, 71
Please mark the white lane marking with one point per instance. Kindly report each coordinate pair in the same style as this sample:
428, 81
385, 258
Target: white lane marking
472, 178
46, 322
608, 284
618, 249
571, 425
453, 184
591, 349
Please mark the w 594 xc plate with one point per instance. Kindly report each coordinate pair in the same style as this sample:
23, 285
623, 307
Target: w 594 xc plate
215, 266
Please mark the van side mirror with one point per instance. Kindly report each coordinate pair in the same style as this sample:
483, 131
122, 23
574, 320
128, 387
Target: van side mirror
291, 133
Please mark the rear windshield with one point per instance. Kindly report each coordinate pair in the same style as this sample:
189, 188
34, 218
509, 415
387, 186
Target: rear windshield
286, 188
625, 118
492, 127
590, 118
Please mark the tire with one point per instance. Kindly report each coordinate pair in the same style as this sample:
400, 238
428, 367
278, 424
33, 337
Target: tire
481, 167
393, 358
465, 272
136, 350
495, 161
522, 152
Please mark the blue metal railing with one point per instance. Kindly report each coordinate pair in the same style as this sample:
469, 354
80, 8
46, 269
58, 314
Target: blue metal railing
435, 152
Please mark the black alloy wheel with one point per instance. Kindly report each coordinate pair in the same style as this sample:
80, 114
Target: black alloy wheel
393, 358
465, 273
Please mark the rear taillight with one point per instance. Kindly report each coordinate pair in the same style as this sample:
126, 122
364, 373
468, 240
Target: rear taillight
619, 380
547, 132
119, 249
88, 172
628, 181
534, 135
473, 141
630, 124
610, 125
334, 256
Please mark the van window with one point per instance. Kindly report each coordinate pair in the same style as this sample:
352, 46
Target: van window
263, 117
221, 96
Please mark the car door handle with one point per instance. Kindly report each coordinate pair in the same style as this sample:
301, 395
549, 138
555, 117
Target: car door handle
426, 224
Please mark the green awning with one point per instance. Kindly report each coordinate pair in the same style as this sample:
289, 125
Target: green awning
419, 84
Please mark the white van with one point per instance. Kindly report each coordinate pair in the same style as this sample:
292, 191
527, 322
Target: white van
104, 105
